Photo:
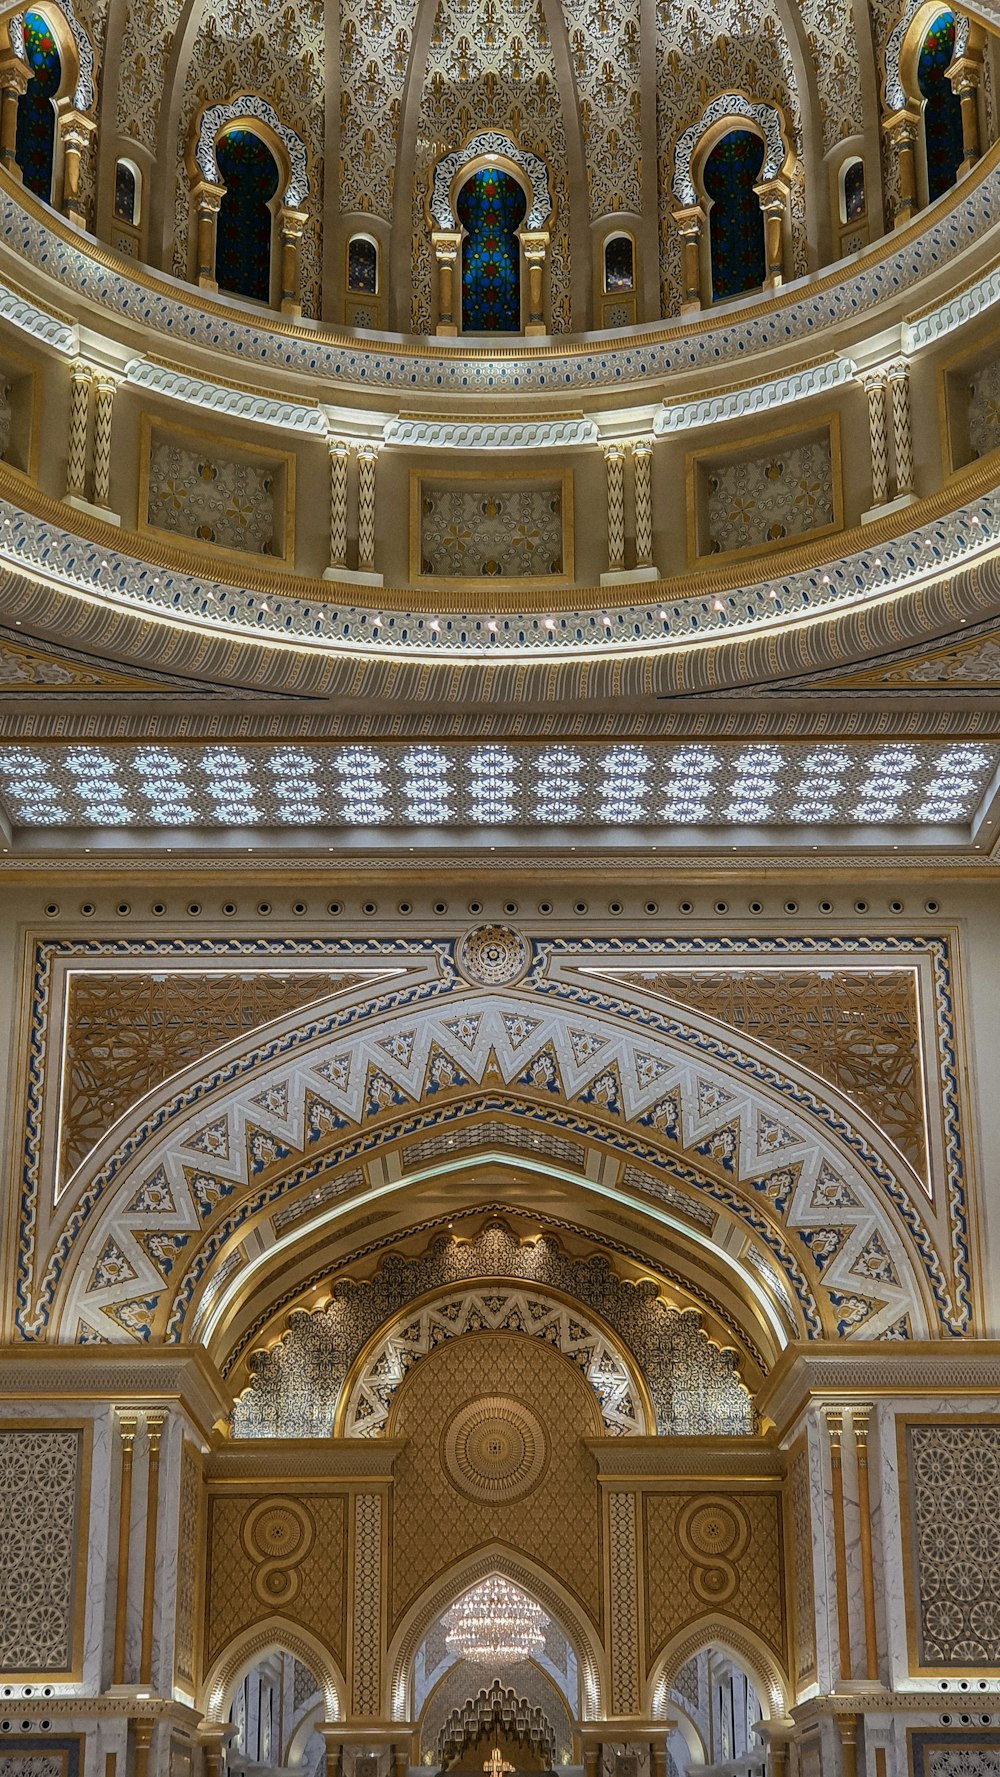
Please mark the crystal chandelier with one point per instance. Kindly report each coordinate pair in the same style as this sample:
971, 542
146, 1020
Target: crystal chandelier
495, 1624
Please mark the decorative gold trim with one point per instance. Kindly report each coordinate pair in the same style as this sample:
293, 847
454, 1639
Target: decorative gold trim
235, 448
739, 450
74, 1673
484, 476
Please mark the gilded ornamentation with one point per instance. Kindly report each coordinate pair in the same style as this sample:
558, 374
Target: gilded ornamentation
127, 1031
804, 1597
954, 1486
732, 1552
367, 1564
624, 1615
187, 1568
693, 1385
604, 46
495, 1449
859, 1029
223, 500
39, 1506
277, 1534
253, 1574
984, 409
833, 40
496, 1712
497, 531
765, 499
375, 42
492, 956
556, 1526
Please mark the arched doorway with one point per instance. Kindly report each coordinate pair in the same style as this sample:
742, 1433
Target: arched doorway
942, 106
36, 112
736, 225
250, 174
491, 207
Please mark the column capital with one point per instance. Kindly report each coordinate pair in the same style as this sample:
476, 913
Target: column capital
642, 447
689, 221
446, 244
534, 243
207, 196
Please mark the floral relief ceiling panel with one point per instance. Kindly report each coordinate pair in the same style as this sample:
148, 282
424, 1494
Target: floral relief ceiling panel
984, 409
229, 502
766, 499
474, 533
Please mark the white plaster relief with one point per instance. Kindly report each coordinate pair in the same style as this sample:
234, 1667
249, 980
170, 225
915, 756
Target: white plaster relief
513, 435
235, 403
819, 379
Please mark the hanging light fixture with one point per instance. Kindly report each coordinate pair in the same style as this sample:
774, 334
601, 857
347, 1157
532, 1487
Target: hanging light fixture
495, 1624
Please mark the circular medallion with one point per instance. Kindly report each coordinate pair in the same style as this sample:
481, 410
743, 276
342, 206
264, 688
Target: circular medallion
712, 1529
495, 1449
492, 955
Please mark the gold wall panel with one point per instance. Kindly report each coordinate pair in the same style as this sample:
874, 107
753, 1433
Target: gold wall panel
282, 1553
556, 1523
705, 1552
857, 1028
801, 1556
127, 1032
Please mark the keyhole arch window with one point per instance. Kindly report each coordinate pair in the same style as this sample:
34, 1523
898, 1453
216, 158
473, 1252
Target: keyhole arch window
36, 138
942, 107
731, 164
252, 176
491, 204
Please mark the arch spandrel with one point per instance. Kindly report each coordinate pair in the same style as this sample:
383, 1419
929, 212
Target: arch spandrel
721, 1118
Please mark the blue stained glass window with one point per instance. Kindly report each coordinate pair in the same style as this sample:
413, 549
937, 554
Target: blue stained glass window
125, 192
736, 225
36, 118
491, 205
249, 173
855, 200
619, 269
943, 107
362, 266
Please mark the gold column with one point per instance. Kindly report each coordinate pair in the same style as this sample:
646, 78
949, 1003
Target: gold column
848, 1725
143, 1736
859, 1424
689, 224
773, 199
340, 455
591, 1761
835, 1428
154, 1432
535, 246
127, 1423
658, 1758
212, 1738
965, 75
642, 463
207, 199
14, 77
76, 129
104, 402
292, 224
446, 244
901, 129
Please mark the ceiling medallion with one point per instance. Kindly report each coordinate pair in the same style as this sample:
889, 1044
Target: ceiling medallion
495, 1624
492, 955
495, 1450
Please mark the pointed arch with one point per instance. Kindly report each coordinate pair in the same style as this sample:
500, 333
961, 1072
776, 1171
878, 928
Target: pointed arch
744, 1646
276, 1634
541, 1585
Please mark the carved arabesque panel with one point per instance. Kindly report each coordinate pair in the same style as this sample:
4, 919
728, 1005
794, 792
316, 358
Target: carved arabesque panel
40, 1484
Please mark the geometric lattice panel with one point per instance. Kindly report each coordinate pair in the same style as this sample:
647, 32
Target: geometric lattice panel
953, 1478
39, 1503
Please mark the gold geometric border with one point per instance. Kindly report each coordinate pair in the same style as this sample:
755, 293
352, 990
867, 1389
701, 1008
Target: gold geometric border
908, 1552
81, 1532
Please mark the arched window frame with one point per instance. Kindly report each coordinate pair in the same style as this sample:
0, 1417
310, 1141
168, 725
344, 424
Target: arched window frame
490, 149
616, 234
849, 161
902, 95
363, 234
732, 111
255, 114
125, 160
63, 100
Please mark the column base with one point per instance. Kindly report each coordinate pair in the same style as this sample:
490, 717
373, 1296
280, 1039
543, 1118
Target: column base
446, 330
354, 576
290, 307
535, 330
74, 214
207, 283
904, 217
775, 281
629, 576
899, 504
92, 511
690, 308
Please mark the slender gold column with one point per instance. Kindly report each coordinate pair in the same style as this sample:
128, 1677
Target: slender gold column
859, 1423
535, 246
208, 199
154, 1431
689, 224
773, 199
292, 224
658, 1758
848, 1725
835, 1428
446, 244
143, 1736
127, 1424
14, 77
76, 130
901, 129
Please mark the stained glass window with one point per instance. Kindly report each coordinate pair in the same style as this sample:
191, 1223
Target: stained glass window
855, 199
736, 225
942, 108
36, 117
619, 267
125, 192
490, 207
362, 266
249, 173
